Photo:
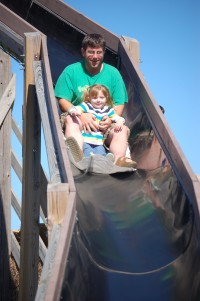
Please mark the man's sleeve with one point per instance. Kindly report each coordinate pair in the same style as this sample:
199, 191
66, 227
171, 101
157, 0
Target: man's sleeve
120, 95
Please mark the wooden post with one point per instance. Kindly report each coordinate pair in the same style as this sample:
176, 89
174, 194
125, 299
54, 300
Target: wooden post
31, 175
134, 48
5, 185
57, 196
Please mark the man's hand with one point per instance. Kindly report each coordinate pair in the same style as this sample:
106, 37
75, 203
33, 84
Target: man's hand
105, 123
89, 123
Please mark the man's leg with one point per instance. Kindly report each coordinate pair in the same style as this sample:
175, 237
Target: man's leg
73, 129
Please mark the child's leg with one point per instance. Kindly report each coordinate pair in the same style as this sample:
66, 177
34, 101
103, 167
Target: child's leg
99, 150
87, 149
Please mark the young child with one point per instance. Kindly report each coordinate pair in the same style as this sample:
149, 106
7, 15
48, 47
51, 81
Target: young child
97, 100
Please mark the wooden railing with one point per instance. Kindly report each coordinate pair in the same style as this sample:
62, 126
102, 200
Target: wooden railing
53, 199
60, 189
7, 96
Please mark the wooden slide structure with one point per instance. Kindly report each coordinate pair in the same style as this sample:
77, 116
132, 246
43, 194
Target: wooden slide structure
117, 235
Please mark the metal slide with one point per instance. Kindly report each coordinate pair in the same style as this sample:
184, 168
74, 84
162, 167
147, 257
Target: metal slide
135, 239
137, 232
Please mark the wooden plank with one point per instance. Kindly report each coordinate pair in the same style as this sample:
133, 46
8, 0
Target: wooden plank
134, 49
40, 90
16, 129
42, 249
11, 42
15, 249
31, 176
18, 169
166, 138
7, 99
57, 195
17, 207
43, 192
10, 35
78, 20
14, 22
16, 165
5, 184
12, 31
16, 204
48, 263
63, 160
55, 264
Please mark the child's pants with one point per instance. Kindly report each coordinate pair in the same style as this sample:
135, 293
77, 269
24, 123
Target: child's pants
95, 149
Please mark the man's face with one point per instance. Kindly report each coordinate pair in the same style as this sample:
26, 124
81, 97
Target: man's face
93, 58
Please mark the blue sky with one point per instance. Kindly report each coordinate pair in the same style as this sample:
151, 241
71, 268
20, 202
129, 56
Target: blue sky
169, 37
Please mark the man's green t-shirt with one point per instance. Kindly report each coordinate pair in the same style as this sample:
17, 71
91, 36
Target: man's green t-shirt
75, 78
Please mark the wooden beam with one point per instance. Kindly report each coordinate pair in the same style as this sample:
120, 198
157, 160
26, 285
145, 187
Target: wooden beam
5, 172
48, 263
7, 99
16, 165
134, 48
63, 160
15, 249
14, 22
31, 175
78, 20
12, 29
16, 129
51, 154
17, 207
11, 42
55, 264
57, 195
18, 169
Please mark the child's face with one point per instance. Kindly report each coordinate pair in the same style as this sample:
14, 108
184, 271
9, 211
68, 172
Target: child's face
98, 101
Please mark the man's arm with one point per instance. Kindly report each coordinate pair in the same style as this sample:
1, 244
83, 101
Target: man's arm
119, 110
64, 104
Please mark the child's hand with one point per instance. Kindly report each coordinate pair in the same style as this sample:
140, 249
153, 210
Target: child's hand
118, 126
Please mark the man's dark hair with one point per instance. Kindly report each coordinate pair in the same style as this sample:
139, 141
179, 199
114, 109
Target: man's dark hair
93, 40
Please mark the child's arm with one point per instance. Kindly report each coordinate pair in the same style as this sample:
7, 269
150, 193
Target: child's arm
119, 124
118, 121
75, 111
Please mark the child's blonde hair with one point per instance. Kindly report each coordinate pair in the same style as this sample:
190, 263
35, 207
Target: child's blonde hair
92, 91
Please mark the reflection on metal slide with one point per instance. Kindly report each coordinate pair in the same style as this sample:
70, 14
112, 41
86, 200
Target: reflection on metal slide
137, 232
135, 238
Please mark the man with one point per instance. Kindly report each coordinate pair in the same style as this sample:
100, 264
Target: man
77, 77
